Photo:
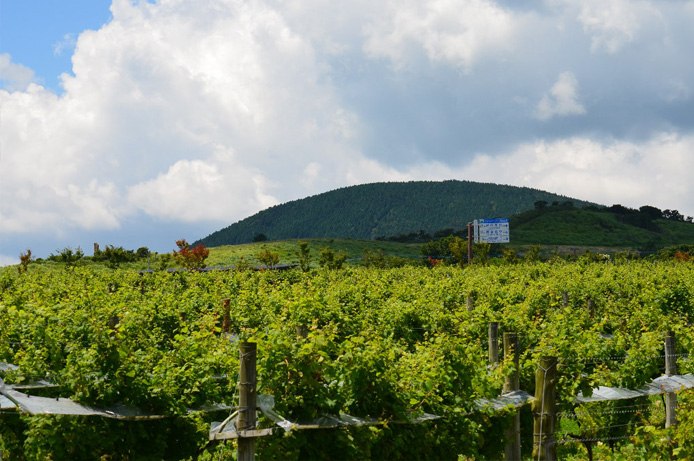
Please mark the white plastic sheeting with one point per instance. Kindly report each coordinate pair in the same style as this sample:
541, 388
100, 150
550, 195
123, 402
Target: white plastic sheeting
510, 399
266, 404
663, 385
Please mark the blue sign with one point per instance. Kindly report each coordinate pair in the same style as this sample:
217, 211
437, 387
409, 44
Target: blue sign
492, 230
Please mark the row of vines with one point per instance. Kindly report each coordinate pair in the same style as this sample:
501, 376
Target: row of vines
387, 344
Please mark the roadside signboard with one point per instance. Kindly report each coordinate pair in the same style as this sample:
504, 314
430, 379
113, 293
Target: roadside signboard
492, 230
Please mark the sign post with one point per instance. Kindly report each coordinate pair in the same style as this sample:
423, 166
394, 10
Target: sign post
492, 230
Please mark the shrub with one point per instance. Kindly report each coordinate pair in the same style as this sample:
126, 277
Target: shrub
330, 259
191, 258
24, 260
67, 255
304, 255
268, 258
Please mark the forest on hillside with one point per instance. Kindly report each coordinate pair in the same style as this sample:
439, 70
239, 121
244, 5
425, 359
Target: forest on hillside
385, 209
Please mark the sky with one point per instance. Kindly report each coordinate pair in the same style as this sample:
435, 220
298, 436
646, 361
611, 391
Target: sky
137, 123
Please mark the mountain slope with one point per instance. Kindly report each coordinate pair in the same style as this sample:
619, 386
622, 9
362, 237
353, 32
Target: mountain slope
384, 209
598, 227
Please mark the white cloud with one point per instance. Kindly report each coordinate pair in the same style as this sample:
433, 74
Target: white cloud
14, 77
614, 24
198, 190
200, 111
68, 43
656, 172
160, 98
562, 99
453, 31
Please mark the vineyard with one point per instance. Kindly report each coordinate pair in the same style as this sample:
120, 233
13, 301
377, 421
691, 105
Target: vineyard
387, 345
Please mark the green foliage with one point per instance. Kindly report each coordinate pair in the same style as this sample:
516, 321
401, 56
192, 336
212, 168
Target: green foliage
374, 258
439, 249
510, 256
384, 209
532, 254
385, 343
480, 251
459, 249
331, 259
115, 256
304, 255
67, 255
268, 258
615, 226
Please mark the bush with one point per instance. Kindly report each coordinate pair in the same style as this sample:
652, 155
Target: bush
191, 258
67, 255
268, 258
331, 259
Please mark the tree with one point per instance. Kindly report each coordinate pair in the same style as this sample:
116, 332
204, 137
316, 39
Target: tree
259, 238
374, 258
268, 258
510, 256
651, 212
481, 251
191, 258
458, 248
142, 252
330, 259
532, 254
540, 204
24, 260
114, 256
304, 255
673, 215
67, 255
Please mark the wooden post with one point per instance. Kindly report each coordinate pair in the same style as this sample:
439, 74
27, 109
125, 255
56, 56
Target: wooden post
469, 243
247, 400
493, 342
544, 410
469, 303
512, 352
226, 316
512, 451
670, 369
565, 298
302, 331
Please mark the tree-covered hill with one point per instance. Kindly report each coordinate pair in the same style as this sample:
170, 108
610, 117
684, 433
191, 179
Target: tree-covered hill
647, 228
384, 209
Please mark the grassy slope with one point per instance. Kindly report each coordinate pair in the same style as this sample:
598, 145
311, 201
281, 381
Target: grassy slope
586, 227
230, 255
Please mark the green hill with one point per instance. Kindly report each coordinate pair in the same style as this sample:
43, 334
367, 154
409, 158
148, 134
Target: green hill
384, 209
615, 226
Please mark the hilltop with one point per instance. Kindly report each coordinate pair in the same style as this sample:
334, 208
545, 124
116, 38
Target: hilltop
376, 210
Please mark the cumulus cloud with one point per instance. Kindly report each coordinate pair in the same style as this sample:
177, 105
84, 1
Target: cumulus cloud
616, 23
655, 172
183, 112
156, 95
13, 76
562, 99
454, 31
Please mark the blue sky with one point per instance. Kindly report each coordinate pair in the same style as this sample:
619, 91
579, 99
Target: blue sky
41, 34
139, 123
